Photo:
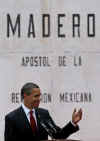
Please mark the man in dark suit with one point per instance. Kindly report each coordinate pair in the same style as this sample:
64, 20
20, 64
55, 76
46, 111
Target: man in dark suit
30, 123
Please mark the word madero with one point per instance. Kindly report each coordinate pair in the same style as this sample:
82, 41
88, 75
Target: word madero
65, 25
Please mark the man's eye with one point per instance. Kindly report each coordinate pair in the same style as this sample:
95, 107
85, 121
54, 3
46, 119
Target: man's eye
37, 96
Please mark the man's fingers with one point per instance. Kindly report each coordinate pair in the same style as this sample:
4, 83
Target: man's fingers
74, 111
80, 113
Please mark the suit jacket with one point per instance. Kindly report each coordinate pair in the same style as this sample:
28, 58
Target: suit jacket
17, 127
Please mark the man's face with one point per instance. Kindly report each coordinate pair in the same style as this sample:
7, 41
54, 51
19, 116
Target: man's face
33, 100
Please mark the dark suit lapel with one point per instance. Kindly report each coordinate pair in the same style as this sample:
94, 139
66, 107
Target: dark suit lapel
37, 118
23, 119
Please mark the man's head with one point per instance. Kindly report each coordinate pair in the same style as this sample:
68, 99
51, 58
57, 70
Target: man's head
30, 93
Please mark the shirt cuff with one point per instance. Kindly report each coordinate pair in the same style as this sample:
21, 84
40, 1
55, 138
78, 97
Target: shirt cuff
73, 123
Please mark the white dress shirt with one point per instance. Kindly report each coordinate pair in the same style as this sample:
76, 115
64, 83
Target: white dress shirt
27, 112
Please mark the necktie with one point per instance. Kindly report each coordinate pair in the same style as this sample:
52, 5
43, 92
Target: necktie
32, 122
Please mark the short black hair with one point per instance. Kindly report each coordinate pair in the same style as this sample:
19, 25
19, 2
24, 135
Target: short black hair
27, 89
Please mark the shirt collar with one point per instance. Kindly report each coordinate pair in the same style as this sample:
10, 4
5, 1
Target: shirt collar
26, 109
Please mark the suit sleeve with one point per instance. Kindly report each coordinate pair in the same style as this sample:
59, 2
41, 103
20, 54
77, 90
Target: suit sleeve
62, 133
9, 134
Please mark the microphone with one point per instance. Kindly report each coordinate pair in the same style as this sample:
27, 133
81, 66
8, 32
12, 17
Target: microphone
49, 131
47, 125
51, 125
